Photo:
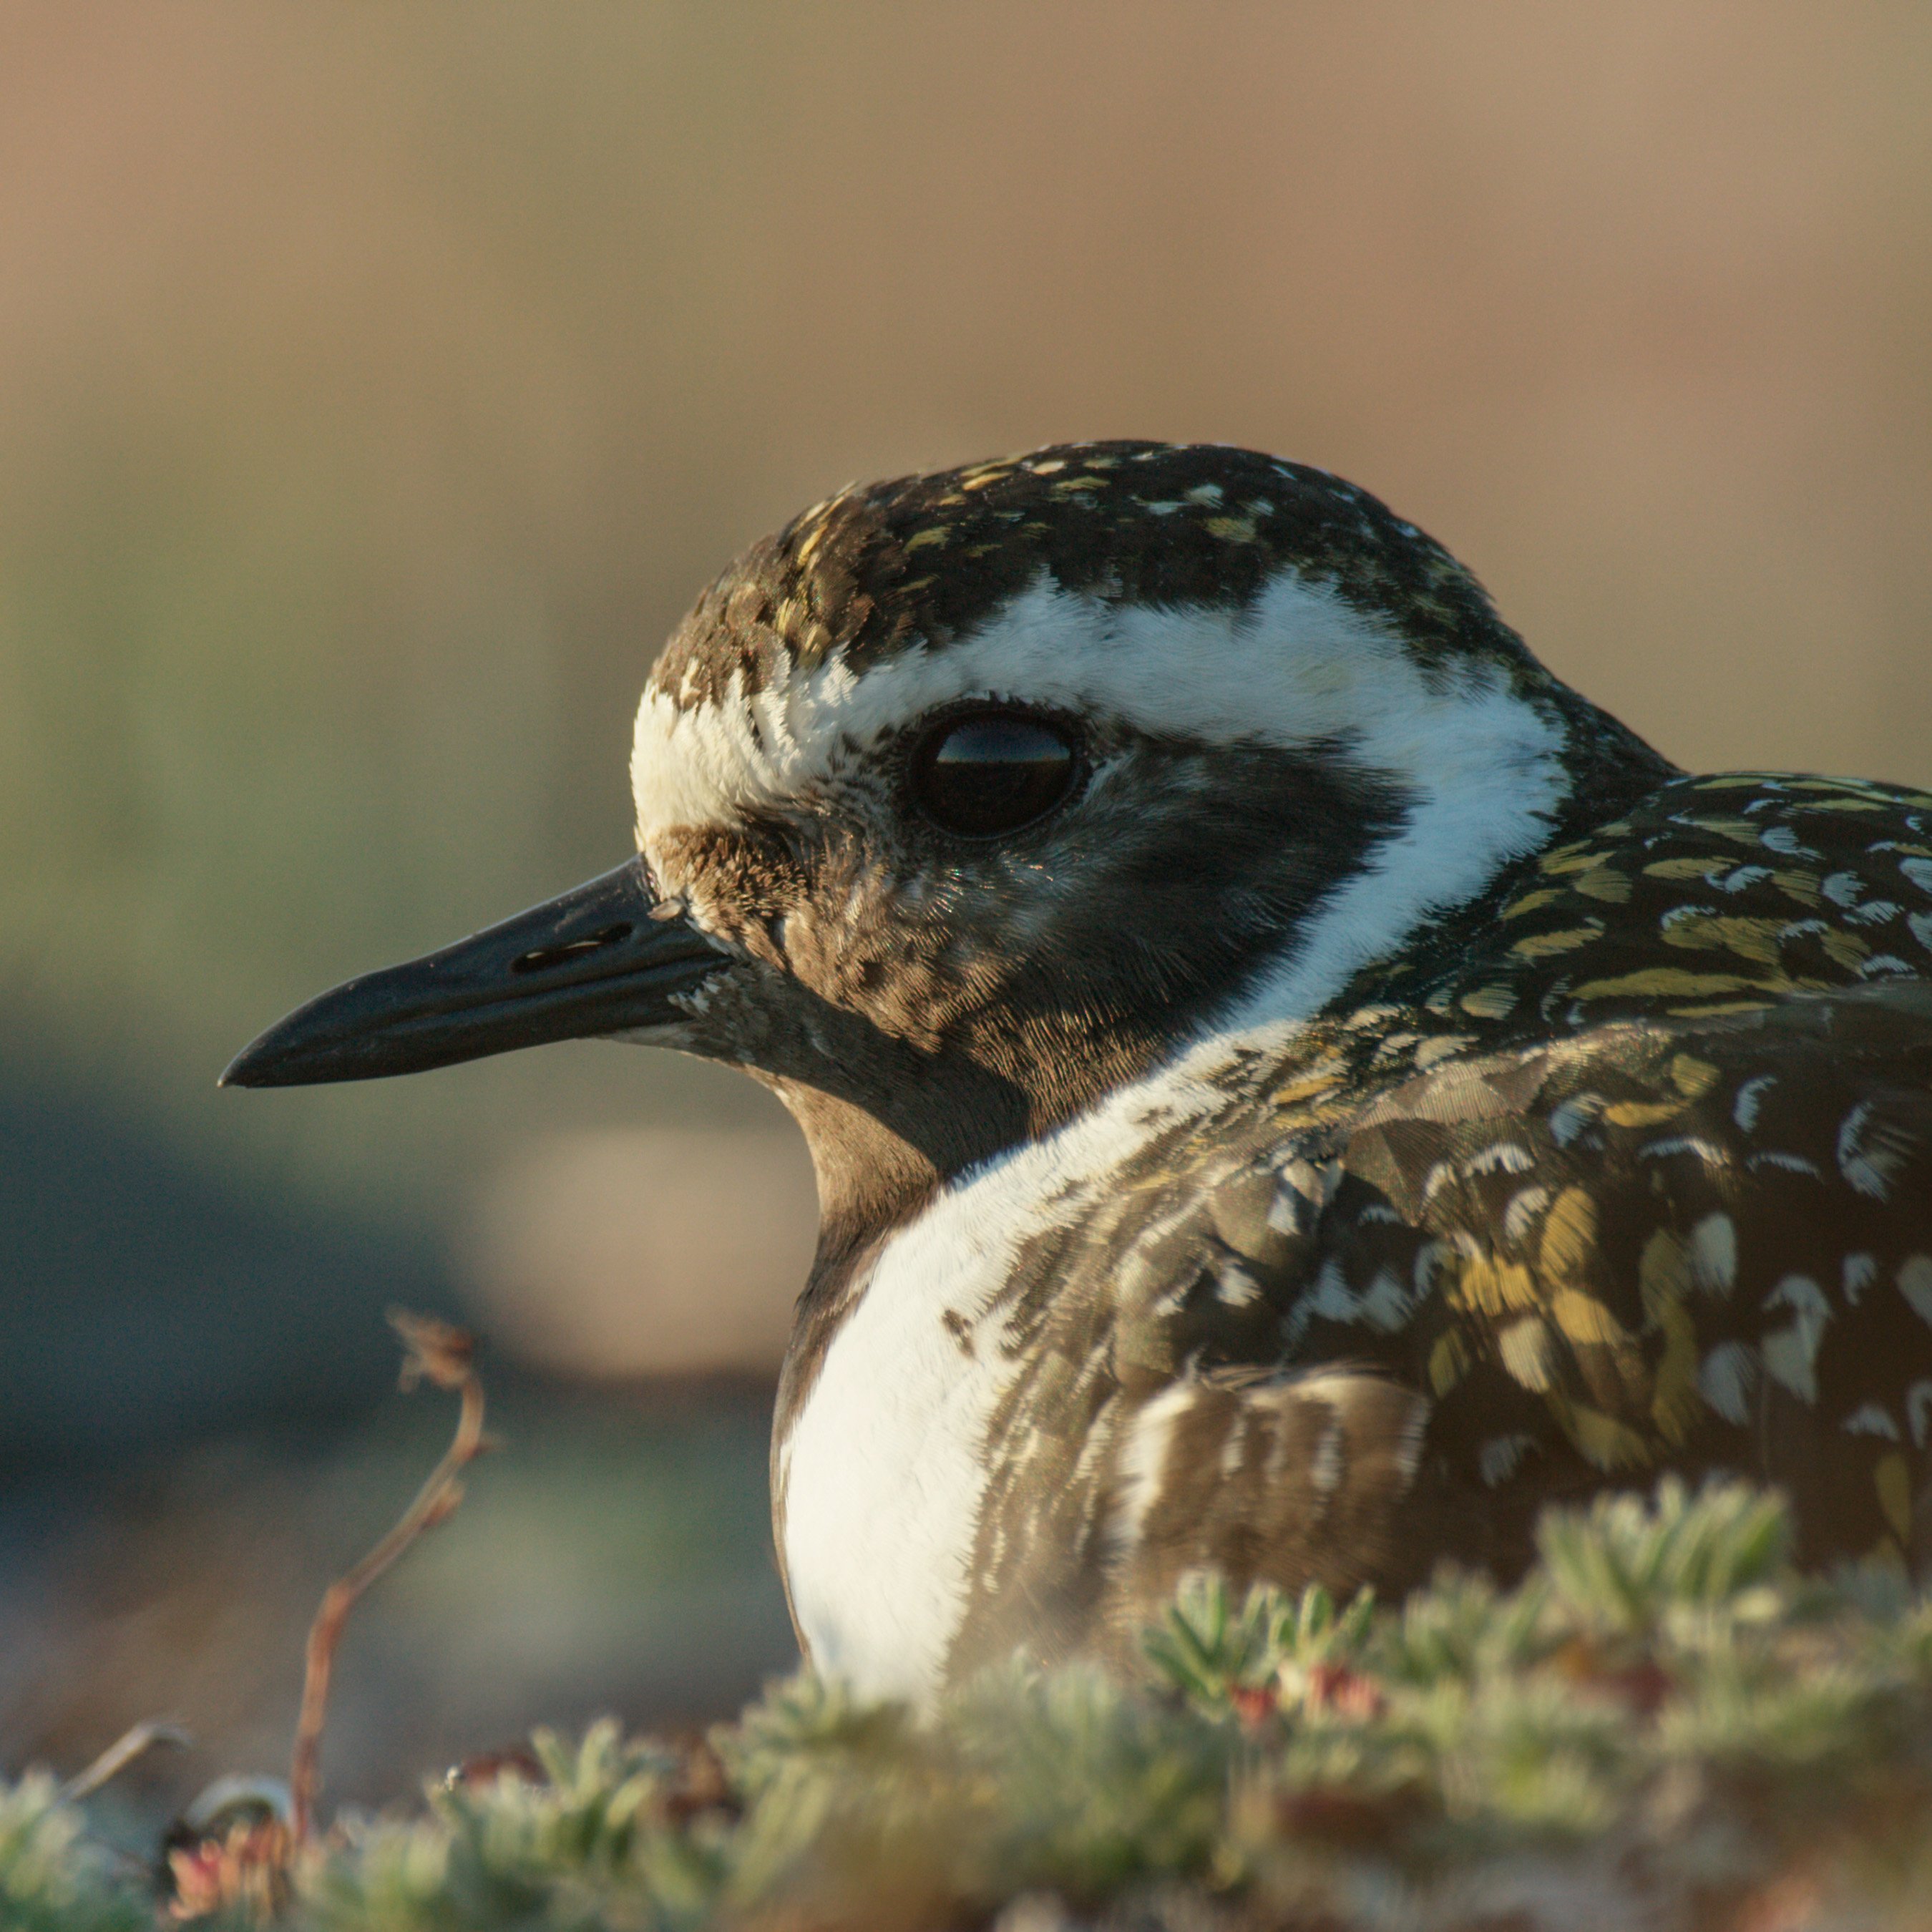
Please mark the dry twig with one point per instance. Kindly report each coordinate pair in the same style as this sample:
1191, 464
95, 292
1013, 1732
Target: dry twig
433, 1352
131, 1744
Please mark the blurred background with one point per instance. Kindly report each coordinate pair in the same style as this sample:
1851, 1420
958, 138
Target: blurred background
377, 385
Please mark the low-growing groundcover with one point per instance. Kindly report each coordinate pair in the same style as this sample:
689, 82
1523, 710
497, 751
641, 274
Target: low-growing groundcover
1663, 1725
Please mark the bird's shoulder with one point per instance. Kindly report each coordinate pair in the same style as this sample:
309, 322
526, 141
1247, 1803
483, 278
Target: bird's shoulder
1709, 896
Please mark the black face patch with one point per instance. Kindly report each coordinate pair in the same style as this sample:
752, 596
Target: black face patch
923, 975
927, 559
1196, 868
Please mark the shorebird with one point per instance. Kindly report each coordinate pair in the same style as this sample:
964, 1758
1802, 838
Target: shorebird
1293, 1087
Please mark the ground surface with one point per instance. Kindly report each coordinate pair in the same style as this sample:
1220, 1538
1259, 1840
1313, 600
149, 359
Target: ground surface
1662, 1727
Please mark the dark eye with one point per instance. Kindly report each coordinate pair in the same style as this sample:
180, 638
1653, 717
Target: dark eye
991, 771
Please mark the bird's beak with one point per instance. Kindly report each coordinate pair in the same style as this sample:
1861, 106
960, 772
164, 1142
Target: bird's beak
604, 958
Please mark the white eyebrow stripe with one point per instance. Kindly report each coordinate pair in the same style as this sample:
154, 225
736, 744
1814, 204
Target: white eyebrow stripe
1298, 666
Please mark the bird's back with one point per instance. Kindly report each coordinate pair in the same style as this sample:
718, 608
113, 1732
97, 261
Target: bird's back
1627, 1168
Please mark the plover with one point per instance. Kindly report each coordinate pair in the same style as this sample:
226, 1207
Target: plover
1293, 1087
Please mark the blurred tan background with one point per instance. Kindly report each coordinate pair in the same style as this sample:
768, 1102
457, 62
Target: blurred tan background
376, 387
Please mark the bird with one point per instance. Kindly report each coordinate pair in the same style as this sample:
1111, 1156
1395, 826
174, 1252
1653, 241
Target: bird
1294, 1088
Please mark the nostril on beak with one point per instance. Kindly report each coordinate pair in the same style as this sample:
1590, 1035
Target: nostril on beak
545, 958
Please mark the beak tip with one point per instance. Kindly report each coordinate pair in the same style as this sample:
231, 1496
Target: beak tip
279, 1057
245, 1070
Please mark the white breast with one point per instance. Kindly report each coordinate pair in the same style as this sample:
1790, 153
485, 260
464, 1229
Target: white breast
884, 1471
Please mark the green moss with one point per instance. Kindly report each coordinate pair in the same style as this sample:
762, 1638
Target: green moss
1663, 1723
51, 1878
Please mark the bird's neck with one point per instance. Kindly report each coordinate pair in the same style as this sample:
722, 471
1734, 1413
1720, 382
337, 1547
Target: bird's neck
923, 1121
870, 1178
881, 1163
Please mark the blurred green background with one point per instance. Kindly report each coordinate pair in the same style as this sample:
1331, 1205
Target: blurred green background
378, 385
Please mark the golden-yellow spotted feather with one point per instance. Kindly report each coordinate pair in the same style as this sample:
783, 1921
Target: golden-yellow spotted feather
1628, 1168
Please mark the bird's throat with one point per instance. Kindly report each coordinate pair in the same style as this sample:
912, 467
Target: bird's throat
871, 1179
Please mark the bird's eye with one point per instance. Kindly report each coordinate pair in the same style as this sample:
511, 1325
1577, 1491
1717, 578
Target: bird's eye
991, 771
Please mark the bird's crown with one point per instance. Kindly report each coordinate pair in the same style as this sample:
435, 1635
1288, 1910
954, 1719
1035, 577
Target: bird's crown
920, 561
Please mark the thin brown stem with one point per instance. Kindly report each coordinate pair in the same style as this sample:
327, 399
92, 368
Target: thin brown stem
439, 1353
120, 1754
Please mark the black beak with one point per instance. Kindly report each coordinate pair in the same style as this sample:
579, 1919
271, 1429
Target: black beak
601, 959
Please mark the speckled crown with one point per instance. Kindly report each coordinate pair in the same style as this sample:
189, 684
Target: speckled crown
925, 558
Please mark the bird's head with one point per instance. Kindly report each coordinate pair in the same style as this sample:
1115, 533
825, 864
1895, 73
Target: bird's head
968, 796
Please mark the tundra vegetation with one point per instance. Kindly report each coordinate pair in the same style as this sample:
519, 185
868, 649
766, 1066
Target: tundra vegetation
1664, 1724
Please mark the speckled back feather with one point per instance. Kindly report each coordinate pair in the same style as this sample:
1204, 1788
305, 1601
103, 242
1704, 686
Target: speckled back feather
1628, 1167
